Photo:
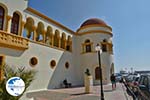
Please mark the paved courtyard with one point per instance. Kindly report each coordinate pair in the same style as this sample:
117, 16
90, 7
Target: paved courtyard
79, 94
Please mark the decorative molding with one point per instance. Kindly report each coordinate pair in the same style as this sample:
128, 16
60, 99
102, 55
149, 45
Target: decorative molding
23, 23
94, 25
101, 32
8, 17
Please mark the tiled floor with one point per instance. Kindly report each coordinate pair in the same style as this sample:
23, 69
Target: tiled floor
78, 93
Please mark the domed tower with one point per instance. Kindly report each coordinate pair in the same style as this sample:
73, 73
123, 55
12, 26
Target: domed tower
92, 32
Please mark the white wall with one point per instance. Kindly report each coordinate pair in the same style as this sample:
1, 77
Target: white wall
90, 60
15, 5
43, 54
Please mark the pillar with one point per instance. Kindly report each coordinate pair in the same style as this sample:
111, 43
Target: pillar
34, 33
8, 23
44, 36
2, 62
52, 40
59, 42
21, 28
65, 44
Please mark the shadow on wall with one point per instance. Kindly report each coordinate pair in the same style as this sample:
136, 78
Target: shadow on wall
63, 72
11, 52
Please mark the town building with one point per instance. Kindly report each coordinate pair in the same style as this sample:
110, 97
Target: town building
31, 39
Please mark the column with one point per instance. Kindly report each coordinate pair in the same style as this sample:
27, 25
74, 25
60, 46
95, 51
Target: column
34, 33
21, 28
59, 41
71, 46
65, 44
2, 59
8, 23
52, 40
44, 36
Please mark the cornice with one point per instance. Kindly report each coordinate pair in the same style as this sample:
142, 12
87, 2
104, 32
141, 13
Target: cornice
94, 25
91, 32
48, 19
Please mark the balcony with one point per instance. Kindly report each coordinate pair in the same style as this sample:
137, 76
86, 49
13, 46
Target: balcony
12, 41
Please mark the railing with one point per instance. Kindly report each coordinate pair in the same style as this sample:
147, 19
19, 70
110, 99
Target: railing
13, 41
131, 92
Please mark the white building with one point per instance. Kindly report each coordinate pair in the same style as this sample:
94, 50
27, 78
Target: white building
29, 38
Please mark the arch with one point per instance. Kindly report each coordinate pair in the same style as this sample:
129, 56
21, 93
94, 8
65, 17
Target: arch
87, 45
56, 38
87, 41
49, 31
20, 23
40, 32
3, 15
29, 26
63, 40
112, 69
15, 23
69, 43
69, 38
48, 38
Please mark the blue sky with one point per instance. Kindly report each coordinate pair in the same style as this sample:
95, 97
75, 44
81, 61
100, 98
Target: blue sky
130, 20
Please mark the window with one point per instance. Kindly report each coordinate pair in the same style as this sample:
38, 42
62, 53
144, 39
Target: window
69, 44
87, 46
1, 17
67, 65
104, 47
53, 64
33, 61
68, 47
145, 81
1, 60
63, 40
141, 80
56, 38
15, 23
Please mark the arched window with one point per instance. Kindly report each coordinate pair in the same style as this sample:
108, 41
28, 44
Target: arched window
48, 38
104, 45
15, 23
87, 46
56, 38
69, 44
40, 32
97, 73
63, 40
29, 28
1, 17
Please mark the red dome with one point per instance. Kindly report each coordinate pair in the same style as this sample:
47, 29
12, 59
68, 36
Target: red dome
92, 21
